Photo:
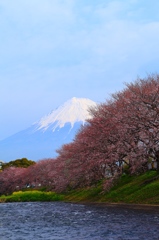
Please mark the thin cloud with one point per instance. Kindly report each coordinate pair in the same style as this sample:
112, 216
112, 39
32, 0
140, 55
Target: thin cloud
54, 50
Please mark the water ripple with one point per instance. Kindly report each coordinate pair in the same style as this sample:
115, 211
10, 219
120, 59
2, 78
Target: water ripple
65, 221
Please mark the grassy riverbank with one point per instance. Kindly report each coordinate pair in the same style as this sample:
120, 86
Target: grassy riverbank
143, 189
31, 196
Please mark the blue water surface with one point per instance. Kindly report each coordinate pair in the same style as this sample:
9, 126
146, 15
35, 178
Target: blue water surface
66, 221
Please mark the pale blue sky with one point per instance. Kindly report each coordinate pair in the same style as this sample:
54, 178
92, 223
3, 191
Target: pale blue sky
53, 50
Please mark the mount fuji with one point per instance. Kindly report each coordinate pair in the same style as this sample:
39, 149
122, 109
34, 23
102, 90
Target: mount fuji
44, 137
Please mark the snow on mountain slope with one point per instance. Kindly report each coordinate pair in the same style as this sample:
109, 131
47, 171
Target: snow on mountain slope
43, 138
74, 110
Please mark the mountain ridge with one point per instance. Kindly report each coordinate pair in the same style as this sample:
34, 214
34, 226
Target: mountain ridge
43, 138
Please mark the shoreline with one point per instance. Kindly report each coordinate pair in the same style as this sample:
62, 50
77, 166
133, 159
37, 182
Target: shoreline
150, 207
119, 205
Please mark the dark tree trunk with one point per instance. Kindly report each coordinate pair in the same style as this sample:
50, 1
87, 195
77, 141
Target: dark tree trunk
157, 160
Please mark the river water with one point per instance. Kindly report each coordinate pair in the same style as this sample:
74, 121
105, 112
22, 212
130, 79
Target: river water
66, 221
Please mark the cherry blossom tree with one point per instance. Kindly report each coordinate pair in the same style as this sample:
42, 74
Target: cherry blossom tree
12, 179
123, 131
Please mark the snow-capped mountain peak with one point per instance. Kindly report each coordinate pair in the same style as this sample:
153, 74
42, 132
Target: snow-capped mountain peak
42, 139
72, 111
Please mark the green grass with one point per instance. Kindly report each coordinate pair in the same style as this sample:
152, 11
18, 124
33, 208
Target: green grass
143, 189
85, 194
31, 196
